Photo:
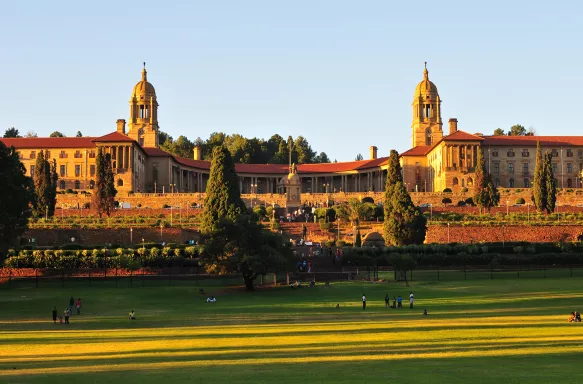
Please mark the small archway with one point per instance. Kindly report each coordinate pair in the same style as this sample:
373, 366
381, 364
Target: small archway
77, 184
569, 183
428, 136
455, 181
526, 183
92, 184
120, 183
61, 184
511, 183
470, 181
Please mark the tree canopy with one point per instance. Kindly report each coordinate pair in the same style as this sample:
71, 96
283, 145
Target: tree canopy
539, 185
56, 134
275, 150
79, 134
45, 186
104, 195
486, 194
11, 133
16, 196
499, 132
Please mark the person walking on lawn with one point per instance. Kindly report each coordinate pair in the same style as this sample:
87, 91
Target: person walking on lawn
363, 302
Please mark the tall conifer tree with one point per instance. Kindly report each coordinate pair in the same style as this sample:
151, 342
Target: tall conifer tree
539, 185
486, 194
104, 195
223, 198
45, 186
550, 183
405, 224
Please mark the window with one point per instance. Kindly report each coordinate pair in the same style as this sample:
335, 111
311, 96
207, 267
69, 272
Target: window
511, 183
569, 153
78, 154
62, 155
470, 181
62, 184
77, 170
32, 167
92, 170
554, 167
92, 184
526, 183
525, 169
120, 183
19, 154
63, 170
580, 153
525, 153
455, 181
92, 155
496, 168
33, 154
569, 167
569, 183
510, 153
496, 182
555, 153
511, 168
428, 136
495, 153
47, 154
77, 184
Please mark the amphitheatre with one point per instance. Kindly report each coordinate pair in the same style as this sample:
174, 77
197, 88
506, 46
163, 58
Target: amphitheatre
272, 290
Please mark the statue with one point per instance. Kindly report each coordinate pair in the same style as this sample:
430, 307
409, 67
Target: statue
294, 168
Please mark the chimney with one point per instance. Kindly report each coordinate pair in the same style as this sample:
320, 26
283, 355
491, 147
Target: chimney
197, 153
121, 126
452, 126
373, 152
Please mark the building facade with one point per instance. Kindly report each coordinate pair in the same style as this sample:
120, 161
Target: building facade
435, 161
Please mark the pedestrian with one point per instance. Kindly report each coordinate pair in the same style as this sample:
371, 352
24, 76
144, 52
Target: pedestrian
55, 314
394, 302
67, 313
399, 301
411, 300
79, 306
386, 300
363, 302
71, 303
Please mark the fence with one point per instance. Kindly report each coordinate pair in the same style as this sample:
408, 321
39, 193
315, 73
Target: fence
118, 278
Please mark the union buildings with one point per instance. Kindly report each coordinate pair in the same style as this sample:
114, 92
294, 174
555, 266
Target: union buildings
435, 161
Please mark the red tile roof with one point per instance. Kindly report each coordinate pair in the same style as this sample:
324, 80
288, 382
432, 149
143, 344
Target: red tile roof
49, 142
114, 137
462, 136
156, 152
420, 150
531, 140
341, 167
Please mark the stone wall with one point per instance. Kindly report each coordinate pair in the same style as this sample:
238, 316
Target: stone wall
533, 234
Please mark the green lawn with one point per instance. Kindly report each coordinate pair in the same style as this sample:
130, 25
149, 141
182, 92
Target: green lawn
501, 331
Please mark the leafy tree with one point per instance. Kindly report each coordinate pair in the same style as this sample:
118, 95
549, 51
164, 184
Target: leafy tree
499, 132
322, 158
223, 198
304, 152
354, 211
401, 264
16, 196
539, 184
486, 194
56, 134
103, 198
358, 157
45, 186
11, 133
241, 245
517, 130
31, 134
404, 223
551, 185
79, 134
531, 131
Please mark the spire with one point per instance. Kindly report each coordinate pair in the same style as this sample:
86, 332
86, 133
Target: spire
144, 73
425, 72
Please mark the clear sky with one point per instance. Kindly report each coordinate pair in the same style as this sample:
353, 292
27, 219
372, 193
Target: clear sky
341, 73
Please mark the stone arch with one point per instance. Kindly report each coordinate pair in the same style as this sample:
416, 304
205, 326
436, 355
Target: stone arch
455, 181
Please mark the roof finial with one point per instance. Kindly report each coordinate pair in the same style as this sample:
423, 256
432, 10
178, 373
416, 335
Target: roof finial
425, 65
144, 72
425, 72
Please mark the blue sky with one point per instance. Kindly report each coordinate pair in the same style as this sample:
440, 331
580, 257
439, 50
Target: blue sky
341, 73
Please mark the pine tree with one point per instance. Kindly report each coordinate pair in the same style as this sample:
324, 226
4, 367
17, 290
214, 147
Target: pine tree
41, 186
358, 241
394, 175
405, 224
104, 195
54, 178
223, 198
486, 194
550, 184
539, 185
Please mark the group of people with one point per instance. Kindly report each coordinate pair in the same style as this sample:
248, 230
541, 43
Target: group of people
398, 301
575, 317
67, 312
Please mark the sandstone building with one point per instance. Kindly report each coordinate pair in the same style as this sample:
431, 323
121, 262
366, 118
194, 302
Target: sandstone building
435, 161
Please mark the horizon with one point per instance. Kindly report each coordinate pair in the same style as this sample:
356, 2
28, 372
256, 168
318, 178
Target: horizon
340, 75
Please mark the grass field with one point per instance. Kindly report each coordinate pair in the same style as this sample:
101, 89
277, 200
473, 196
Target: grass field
510, 331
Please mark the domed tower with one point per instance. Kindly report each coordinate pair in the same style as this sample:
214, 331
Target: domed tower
427, 124
143, 124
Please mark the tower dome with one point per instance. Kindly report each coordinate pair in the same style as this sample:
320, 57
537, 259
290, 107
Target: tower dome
143, 88
426, 87
143, 125
426, 113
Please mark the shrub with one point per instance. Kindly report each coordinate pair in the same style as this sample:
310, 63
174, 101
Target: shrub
165, 206
461, 203
330, 243
520, 200
447, 190
470, 201
446, 201
87, 205
464, 189
341, 243
69, 190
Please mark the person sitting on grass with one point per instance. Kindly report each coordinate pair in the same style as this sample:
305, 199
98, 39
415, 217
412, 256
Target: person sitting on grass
572, 317
132, 315
312, 284
201, 291
211, 299
577, 317
327, 284
425, 312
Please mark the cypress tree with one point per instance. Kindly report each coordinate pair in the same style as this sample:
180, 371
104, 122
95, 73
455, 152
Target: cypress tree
103, 197
405, 224
54, 178
223, 198
486, 194
41, 186
394, 175
539, 185
358, 241
550, 184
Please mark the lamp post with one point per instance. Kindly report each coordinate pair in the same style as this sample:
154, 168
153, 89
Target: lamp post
161, 227
507, 202
131, 236
448, 233
528, 212
171, 214
143, 244
253, 192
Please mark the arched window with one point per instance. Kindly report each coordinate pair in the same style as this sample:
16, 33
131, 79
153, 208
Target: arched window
463, 182
569, 183
77, 184
120, 183
455, 181
526, 183
428, 136
62, 184
470, 181
511, 183
92, 184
